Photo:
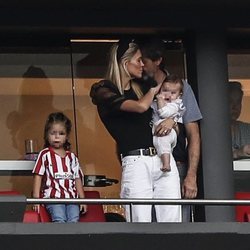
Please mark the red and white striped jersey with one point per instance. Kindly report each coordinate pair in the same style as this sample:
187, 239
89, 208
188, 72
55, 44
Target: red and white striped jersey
59, 174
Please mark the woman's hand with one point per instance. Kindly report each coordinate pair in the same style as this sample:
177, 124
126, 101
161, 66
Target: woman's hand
156, 89
164, 127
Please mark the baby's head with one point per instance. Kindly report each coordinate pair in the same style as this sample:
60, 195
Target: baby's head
172, 87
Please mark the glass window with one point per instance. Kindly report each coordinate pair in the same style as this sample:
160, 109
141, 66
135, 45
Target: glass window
239, 70
97, 149
239, 96
32, 86
36, 81
33, 83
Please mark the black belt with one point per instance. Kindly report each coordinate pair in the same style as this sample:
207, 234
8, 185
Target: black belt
143, 151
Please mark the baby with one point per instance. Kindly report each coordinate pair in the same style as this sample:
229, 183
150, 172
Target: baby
168, 104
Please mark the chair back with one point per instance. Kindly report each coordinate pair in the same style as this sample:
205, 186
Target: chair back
95, 213
9, 192
242, 212
44, 214
31, 217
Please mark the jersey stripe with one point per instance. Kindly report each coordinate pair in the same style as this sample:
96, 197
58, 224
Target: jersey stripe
59, 174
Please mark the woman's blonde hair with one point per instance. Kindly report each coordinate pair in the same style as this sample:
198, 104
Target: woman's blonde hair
117, 70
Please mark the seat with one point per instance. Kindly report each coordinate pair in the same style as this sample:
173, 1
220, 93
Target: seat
44, 214
9, 192
31, 217
242, 212
95, 213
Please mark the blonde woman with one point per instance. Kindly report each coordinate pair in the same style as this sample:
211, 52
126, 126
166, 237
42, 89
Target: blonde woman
124, 108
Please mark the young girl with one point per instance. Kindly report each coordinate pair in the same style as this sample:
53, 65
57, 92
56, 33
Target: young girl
57, 173
168, 104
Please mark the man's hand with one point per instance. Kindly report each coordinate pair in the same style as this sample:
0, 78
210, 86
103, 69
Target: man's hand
189, 188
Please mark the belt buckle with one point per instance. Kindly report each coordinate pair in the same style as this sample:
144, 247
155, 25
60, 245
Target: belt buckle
152, 151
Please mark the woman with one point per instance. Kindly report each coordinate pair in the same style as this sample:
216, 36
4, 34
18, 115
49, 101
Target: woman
124, 108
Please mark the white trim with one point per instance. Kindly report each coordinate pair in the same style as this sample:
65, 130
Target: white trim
241, 165
16, 165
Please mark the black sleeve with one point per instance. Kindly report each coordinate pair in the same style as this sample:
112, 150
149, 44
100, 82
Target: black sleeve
107, 94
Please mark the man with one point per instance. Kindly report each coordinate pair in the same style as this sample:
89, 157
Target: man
186, 155
240, 130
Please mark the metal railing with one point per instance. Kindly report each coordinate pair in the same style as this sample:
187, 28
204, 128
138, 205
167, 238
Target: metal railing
132, 202
141, 201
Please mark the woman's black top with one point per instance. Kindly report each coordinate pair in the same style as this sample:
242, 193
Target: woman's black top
130, 130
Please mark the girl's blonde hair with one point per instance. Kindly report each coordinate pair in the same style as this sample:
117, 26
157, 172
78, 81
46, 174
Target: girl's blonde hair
117, 70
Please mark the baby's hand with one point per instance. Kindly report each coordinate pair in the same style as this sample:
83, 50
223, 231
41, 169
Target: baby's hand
160, 96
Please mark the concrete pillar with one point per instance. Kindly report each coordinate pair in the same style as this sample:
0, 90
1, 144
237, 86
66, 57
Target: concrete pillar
212, 77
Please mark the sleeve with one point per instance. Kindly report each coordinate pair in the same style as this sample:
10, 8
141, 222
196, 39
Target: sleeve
155, 115
107, 94
192, 112
39, 167
77, 168
168, 111
244, 132
181, 111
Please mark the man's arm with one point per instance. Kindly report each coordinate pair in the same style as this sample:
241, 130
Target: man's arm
189, 187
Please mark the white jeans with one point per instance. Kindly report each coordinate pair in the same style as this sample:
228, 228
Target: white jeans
142, 178
165, 144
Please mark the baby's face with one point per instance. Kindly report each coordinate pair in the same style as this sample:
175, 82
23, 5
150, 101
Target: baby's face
171, 91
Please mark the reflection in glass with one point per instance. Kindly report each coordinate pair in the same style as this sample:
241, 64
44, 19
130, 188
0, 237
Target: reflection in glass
240, 130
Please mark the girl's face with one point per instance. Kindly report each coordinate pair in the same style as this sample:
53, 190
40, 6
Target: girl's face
57, 135
171, 91
135, 65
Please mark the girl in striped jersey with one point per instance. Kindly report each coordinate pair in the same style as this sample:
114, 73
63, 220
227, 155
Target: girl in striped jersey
57, 173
